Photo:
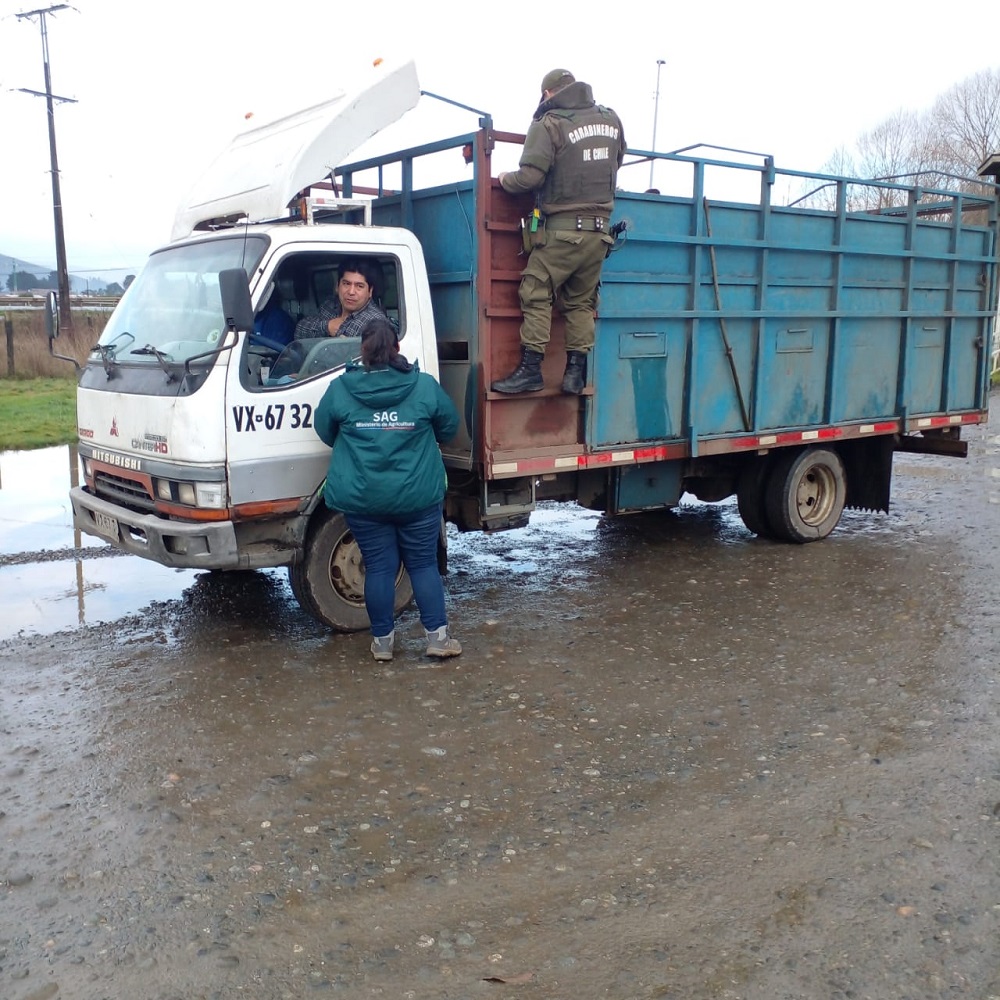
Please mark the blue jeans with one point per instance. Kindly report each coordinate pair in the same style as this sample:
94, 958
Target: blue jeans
386, 540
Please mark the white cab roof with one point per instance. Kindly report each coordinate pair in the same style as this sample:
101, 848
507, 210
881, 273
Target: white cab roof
264, 168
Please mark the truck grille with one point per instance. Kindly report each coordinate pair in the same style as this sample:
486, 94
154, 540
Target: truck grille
127, 492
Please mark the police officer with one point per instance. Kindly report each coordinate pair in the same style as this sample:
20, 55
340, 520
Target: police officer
571, 156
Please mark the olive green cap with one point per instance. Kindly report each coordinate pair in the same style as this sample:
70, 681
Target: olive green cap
556, 79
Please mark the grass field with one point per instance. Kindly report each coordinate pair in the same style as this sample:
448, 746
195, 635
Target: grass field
38, 396
37, 412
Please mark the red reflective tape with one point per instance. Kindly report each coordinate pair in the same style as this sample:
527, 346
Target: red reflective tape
536, 465
655, 453
954, 419
821, 434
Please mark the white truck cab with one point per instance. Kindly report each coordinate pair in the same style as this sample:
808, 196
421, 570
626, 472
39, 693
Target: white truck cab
196, 432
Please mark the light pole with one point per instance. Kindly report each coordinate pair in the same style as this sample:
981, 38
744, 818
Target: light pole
656, 112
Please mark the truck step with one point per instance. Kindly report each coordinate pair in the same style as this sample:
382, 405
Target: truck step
538, 394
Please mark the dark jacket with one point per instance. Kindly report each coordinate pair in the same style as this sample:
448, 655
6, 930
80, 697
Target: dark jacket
354, 325
571, 155
384, 426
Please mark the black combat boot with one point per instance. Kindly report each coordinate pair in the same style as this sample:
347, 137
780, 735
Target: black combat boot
526, 377
575, 376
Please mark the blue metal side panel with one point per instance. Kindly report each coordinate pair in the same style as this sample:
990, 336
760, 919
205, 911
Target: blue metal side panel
828, 318
793, 372
801, 230
640, 355
639, 376
444, 221
925, 362
868, 369
717, 409
961, 383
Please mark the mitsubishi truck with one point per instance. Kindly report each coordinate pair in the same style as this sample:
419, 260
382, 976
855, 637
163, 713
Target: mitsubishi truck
778, 353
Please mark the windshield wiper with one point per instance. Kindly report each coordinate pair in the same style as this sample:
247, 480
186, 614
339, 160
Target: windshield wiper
109, 352
164, 360
108, 359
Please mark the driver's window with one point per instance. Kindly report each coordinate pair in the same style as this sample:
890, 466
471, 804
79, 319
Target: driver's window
310, 356
309, 300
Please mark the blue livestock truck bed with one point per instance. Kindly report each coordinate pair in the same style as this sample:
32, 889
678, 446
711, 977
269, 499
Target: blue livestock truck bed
779, 352
722, 324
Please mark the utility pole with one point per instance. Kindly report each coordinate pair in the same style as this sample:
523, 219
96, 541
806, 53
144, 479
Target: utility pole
65, 316
656, 115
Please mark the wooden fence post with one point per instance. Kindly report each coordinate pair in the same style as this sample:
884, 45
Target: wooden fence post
8, 329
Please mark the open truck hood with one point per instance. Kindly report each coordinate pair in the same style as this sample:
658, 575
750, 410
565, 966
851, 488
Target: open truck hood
264, 168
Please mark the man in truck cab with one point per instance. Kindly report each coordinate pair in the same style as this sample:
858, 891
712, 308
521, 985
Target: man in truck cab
351, 309
571, 155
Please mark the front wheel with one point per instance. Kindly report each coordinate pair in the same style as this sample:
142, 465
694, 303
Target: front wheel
805, 494
329, 582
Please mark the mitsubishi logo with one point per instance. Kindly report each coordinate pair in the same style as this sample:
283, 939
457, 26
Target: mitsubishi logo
114, 427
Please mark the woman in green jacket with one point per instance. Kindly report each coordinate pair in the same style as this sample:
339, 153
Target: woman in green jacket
385, 421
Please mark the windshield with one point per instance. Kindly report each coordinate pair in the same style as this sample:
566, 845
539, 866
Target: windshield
173, 309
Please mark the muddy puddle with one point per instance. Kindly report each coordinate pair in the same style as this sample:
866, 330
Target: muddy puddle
53, 577
673, 761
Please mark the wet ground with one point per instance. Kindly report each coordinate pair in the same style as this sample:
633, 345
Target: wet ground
674, 761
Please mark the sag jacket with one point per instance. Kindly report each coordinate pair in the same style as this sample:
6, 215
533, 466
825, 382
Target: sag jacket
384, 427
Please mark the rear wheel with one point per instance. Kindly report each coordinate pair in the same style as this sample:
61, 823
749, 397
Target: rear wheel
329, 582
805, 494
751, 497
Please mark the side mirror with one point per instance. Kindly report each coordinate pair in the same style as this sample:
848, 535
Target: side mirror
234, 287
52, 329
52, 316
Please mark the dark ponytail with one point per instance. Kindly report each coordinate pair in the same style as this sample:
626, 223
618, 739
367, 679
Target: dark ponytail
380, 347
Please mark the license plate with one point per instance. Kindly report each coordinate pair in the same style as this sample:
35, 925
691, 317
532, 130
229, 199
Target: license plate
106, 525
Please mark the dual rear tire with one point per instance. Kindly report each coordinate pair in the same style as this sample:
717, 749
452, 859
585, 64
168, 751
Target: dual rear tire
796, 496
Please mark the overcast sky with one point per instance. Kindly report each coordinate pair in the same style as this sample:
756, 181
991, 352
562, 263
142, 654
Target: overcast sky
161, 87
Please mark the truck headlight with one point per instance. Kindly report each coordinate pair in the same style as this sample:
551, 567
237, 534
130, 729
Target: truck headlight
210, 495
207, 495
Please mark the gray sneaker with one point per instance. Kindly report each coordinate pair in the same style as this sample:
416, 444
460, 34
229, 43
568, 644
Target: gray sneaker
382, 646
440, 644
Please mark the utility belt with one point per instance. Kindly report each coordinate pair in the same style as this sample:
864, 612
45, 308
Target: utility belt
578, 222
534, 227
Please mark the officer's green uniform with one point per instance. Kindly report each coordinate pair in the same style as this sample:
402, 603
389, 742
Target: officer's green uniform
571, 155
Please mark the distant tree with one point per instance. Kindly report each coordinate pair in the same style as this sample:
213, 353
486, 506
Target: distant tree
113, 289
965, 124
22, 281
840, 164
129, 278
894, 150
52, 281
942, 147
